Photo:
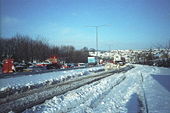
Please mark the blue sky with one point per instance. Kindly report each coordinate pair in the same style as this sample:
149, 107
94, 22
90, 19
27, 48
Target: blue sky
133, 24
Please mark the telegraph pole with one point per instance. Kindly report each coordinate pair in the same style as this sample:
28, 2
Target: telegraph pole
96, 27
97, 42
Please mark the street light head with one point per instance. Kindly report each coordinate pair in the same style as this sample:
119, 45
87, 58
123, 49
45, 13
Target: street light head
90, 26
99, 25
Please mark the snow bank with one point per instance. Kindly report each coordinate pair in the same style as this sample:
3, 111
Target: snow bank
13, 85
82, 96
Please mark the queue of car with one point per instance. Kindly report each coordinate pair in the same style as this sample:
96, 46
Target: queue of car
9, 66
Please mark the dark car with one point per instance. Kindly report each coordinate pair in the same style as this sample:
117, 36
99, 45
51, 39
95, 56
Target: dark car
53, 66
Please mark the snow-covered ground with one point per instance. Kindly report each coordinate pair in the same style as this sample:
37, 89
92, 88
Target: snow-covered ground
157, 89
141, 89
16, 83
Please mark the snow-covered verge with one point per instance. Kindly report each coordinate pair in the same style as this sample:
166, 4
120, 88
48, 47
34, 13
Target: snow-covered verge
134, 91
20, 84
157, 90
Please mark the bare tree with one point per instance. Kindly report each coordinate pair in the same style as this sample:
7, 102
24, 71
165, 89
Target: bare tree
24, 48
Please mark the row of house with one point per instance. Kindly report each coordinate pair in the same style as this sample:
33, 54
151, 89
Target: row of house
133, 56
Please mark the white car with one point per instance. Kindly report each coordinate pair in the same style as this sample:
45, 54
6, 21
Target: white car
81, 64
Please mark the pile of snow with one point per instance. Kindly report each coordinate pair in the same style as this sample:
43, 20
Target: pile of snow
20, 84
133, 91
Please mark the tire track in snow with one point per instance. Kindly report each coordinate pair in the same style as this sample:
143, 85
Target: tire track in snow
80, 96
39, 96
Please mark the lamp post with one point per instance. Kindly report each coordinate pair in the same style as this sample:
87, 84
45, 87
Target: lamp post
96, 27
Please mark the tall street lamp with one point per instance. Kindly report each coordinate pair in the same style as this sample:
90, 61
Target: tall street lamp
96, 27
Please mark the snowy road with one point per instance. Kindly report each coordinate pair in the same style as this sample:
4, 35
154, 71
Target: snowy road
9, 86
20, 101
